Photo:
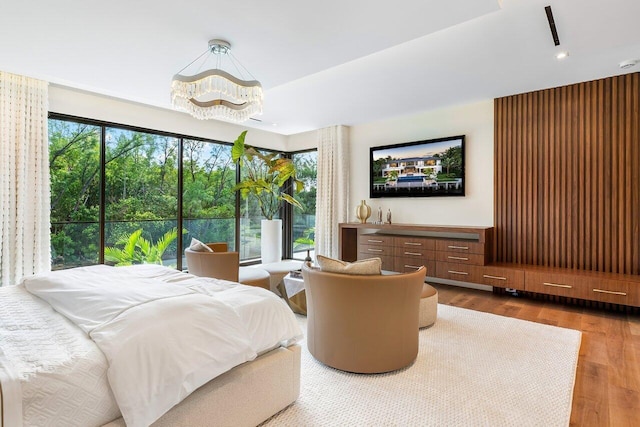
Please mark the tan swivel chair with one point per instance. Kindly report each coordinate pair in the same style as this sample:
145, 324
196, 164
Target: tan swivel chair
220, 263
363, 324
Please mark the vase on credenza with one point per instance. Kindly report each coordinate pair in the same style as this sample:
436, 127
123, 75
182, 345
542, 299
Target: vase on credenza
363, 212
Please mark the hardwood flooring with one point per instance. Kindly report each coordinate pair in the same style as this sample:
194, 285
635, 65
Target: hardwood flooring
607, 389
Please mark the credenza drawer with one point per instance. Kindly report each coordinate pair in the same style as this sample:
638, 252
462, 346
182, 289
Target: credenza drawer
414, 243
460, 258
387, 261
613, 291
375, 240
408, 264
460, 246
460, 272
564, 285
376, 250
423, 254
503, 277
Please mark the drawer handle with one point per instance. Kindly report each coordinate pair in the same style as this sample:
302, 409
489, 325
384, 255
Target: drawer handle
413, 244
488, 276
555, 285
458, 272
374, 250
458, 247
602, 291
461, 258
374, 241
415, 267
413, 253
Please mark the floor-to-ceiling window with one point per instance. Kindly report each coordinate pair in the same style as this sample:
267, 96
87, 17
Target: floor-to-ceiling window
304, 220
250, 219
74, 162
141, 197
208, 199
124, 195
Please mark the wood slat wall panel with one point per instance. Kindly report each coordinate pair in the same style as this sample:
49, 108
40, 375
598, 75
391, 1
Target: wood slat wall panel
567, 189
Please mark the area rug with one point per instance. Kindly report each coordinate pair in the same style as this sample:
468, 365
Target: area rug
472, 369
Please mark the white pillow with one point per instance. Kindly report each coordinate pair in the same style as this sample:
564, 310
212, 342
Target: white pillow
363, 267
197, 246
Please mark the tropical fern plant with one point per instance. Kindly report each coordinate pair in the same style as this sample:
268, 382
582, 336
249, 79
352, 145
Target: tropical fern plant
265, 177
138, 250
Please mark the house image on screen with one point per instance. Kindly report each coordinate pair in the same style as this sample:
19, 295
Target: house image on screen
412, 168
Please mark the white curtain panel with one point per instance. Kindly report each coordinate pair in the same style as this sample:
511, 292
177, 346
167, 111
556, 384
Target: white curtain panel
332, 197
24, 178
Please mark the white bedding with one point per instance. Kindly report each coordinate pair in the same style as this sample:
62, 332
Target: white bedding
60, 375
257, 319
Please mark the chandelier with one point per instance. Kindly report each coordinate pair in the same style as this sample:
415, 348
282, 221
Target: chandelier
217, 94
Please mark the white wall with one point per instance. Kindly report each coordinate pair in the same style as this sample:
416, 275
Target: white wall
303, 141
473, 120
79, 103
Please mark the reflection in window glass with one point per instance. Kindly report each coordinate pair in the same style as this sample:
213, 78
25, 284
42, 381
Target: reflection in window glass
74, 160
141, 182
208, 199
304, 221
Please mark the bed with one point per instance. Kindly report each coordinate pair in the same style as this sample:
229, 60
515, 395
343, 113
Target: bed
95, 346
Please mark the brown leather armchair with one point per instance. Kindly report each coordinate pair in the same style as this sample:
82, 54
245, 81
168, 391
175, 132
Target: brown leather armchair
220, 263
363, 324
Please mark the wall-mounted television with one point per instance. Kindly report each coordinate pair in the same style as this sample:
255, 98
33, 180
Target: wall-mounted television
431, 168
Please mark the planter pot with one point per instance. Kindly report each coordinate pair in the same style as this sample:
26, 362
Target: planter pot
271, 240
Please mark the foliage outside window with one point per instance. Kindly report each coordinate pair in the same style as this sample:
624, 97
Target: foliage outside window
304, 220
208, 199
74, 163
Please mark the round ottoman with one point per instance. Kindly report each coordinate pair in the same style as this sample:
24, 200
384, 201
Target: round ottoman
428, 306
253, 276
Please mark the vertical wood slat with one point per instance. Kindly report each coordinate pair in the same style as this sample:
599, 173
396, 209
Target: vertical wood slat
567, 190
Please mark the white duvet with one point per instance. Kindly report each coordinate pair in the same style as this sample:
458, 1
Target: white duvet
165, 333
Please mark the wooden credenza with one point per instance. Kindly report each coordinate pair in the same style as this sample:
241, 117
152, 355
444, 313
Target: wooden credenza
464, 254
456, 253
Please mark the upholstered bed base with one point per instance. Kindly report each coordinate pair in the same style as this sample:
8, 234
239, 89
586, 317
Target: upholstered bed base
245, 396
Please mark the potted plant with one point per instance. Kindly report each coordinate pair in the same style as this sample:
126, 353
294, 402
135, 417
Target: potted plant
265, 178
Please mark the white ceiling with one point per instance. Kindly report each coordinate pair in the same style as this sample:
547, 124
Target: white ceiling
327, 62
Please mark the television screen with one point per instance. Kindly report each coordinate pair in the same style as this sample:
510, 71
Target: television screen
432, 168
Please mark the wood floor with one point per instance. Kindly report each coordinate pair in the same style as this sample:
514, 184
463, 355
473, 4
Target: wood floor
607, 389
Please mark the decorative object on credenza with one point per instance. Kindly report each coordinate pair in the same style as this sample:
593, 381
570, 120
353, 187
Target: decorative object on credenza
389, 216
216, 93
363, 212
379, 221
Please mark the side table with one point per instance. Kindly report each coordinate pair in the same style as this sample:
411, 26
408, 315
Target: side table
292, 289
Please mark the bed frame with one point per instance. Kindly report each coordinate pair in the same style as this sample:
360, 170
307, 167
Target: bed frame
244, 396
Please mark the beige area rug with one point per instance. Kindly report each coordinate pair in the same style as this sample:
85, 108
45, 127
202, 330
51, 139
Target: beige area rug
472, 369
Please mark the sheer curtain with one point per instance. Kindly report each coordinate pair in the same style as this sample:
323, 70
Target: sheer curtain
24, 178
332, 197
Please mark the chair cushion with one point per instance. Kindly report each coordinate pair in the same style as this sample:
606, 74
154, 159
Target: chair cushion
197, 246
368, 266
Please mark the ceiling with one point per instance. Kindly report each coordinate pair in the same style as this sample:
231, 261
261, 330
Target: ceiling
323, 63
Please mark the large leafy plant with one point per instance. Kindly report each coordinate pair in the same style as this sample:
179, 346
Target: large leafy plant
138, 250
265, 177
